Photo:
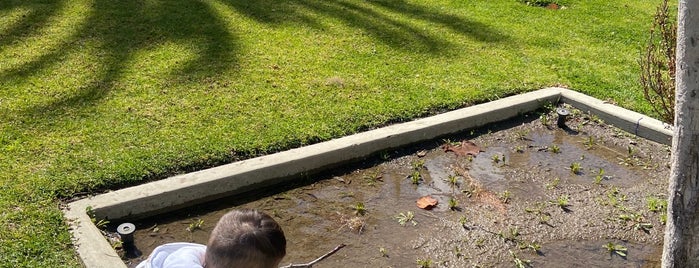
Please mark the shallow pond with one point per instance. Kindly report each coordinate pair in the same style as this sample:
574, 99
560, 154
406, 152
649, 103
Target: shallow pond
550, 197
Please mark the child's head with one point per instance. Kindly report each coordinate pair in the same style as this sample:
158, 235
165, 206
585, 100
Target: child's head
246, 238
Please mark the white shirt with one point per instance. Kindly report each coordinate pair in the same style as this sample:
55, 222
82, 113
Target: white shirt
176, 255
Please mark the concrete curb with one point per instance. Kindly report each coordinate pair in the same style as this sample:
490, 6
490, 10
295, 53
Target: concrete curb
205, 185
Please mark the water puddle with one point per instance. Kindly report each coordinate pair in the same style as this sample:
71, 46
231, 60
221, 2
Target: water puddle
516, 200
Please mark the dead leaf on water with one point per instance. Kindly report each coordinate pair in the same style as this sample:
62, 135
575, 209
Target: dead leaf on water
426, 202
463, 149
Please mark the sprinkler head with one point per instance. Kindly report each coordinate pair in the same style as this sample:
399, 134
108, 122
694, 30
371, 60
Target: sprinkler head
562, 114
126, 231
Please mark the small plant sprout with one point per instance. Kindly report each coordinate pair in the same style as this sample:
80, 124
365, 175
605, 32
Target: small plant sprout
418, 164
384, 155
511, 234
463, 221
457, 252
195, 225
637, 221
453, 204
407, 217
561, 202
534, 246
655, 204
576, 168
505, 196
101, 223
383, 251
590, 143
521, 134
616, 249
424, 263
479, 242
519, 149
495, 158
359, 208
631, 150
519, 263
453, 181
373, 178
545, 120
415, 177
553, 184
555, 149
599, 176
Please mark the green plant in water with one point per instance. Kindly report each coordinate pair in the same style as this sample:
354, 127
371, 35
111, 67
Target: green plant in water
576, 168
521, 134
555, 149
195, 225
453, 181
373, 178
453, 204
599, 176
407, 217
616, 249
534, 246
590, 143
424, 263
519, 263
359, 208
415, 177
495, 158
418, 164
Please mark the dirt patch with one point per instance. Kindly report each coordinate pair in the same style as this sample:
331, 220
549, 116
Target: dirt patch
589, 194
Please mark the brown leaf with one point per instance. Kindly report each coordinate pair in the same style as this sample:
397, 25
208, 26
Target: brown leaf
426, 202
463, 149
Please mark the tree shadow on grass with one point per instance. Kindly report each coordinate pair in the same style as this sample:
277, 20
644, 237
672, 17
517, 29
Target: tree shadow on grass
37, 16
383, 20
122, 29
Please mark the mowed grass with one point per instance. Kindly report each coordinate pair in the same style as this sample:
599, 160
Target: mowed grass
102, 94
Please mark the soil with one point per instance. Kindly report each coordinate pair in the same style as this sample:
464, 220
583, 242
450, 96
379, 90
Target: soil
518, 201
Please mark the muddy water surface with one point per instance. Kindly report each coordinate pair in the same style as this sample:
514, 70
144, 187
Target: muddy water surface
517, 200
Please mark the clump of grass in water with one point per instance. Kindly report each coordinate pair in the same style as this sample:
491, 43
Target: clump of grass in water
453, 204
616, 249
599, 176
195, 225
555, 149
561, 202
407, 217
359, 209
415, 177
576, 168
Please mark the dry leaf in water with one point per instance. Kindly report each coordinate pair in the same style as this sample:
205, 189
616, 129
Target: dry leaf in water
463, 149
426, 202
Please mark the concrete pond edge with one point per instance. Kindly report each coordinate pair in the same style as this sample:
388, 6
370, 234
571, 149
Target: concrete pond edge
197, 187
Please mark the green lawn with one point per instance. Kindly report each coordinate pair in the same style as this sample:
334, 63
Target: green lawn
101, 94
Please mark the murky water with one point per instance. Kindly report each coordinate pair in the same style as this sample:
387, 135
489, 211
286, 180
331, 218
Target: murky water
507, 204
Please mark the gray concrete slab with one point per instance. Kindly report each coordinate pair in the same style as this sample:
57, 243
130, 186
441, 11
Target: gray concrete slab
205, 185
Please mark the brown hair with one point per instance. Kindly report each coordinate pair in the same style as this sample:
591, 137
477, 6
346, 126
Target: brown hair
246, 238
